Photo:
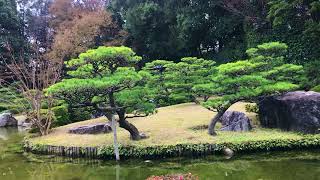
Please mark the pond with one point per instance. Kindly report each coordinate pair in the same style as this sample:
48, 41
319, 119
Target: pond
14, 164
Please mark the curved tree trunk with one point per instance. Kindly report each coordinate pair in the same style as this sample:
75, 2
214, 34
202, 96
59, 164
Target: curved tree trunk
214, 121
123, 123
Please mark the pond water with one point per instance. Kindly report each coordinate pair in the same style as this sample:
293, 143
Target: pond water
14, 164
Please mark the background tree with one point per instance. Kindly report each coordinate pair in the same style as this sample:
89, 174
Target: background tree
36, 17
295, 23
81, 25
105, 78
312, 73
264, 73
11, 34
31, 80
181, 28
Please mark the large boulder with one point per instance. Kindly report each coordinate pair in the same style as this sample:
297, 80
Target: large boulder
91, 129
6, 119
292, 111
235, 121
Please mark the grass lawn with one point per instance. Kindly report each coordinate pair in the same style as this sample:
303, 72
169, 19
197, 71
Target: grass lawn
178, 124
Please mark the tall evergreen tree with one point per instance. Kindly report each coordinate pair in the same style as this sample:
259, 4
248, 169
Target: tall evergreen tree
174, 29
11, 35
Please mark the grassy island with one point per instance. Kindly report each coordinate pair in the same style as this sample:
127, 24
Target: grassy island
178, 130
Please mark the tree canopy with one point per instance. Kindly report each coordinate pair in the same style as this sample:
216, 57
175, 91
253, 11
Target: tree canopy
172, 82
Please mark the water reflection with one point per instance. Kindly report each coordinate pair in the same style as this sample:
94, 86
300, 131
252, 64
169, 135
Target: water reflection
5, 133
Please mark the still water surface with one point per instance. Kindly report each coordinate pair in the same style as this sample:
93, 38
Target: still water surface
16, 165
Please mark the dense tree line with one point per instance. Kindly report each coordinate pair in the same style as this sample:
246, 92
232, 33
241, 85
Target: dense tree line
214, 29
220, 29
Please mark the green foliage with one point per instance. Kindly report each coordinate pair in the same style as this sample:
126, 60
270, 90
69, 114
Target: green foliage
96, 63
11, 34
272, 49
11, 100
181, 77
61, 115
156, 82
173, 83
295, 23
208, 149
100, 73
149, 30
312, 70
178, 28
86, 89
262, 74
137, 100
173, 29
179, 150
316, 89
80, 113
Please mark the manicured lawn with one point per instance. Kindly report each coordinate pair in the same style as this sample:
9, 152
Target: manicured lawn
178, 124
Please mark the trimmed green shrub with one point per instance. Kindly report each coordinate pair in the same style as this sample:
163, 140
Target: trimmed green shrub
13, 101
179, 150
61, 115
80, 114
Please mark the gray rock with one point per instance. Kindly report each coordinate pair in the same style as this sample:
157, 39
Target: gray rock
228, 152
293, 111
92, 129
6, 119
143, 135
235, 121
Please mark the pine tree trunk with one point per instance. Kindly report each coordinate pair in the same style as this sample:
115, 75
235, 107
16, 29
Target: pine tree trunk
123, 123
214, 121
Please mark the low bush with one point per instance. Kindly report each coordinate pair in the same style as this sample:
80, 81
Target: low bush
12, 101
208, 149
179, 150
316, 89
80, 114
61, 115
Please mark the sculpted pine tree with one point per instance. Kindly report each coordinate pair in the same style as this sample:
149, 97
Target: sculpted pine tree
182, 76
264, 73
173, 82
106, 79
